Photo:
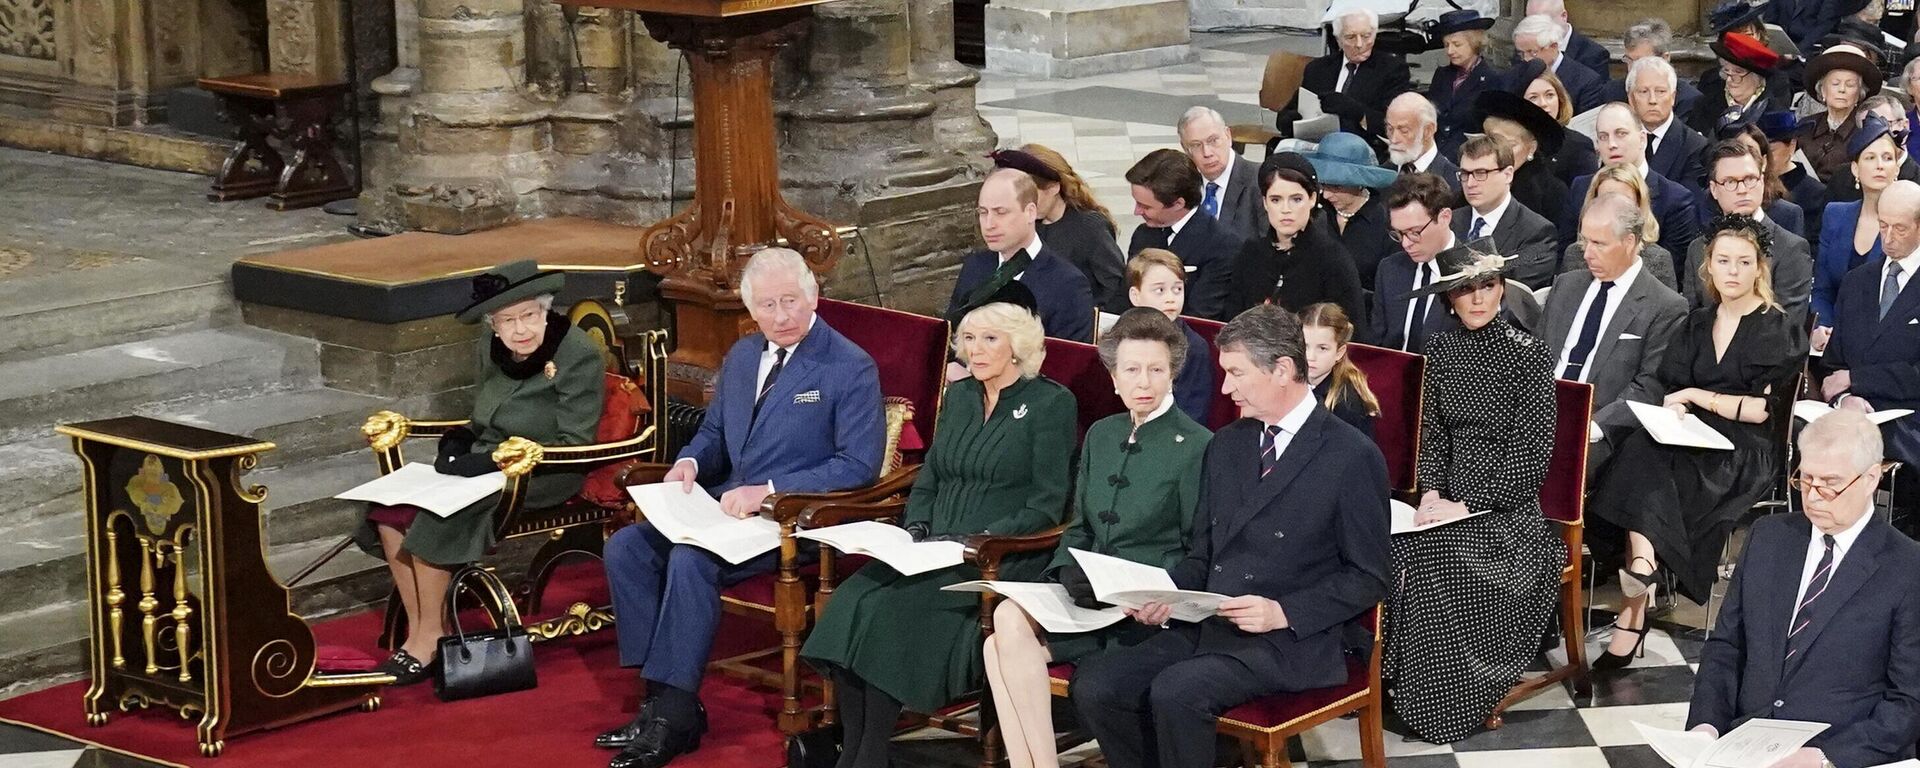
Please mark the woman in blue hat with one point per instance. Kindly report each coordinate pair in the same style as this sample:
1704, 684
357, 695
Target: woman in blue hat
1353, 188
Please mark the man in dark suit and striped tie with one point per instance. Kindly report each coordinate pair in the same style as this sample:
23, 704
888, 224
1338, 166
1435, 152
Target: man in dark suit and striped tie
1822, 620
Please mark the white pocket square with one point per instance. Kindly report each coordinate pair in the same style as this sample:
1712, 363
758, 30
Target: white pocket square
1629, 337
1188, 267
809, 396
1915, 321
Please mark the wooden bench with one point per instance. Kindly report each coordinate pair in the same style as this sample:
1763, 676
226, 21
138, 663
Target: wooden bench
285, 150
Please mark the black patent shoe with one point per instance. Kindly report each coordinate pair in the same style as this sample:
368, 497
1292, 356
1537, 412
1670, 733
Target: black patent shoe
623, 736
659, 741
406, 669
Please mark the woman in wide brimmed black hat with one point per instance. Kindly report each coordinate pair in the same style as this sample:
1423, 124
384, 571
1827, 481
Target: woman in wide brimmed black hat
1536, 138
544, 384
1840, 77
1299, 262
1463, 35
1472, 599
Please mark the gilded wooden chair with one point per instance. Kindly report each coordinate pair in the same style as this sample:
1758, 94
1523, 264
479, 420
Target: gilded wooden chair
577, 527
1563, 501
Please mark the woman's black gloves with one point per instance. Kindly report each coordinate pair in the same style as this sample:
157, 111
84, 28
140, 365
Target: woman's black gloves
456, 456
1078, 587
921, 532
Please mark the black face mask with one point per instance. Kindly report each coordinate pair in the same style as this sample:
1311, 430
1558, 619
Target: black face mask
1899, 137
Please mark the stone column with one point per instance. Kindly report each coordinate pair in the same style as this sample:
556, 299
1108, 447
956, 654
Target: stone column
1076, 38
957, 124
586, 128
472, 141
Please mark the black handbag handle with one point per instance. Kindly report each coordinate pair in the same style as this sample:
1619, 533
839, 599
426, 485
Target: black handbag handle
494, 590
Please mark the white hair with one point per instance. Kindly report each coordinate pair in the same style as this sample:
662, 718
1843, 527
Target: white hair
1196, 114
545, 301
1545, 30
775, 260
1653, 32
1340, 22
1419, 103
1659, 65
1847, 430
1908, 74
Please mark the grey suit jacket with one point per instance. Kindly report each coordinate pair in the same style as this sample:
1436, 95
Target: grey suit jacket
1627, 357
1521, 232
1242, 211
1791, 263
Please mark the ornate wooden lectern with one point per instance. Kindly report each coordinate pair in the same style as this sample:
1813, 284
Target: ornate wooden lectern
184, 612
737, 207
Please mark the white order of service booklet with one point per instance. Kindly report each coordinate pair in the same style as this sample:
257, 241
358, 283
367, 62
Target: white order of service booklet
889, 544
694, 518
420, 486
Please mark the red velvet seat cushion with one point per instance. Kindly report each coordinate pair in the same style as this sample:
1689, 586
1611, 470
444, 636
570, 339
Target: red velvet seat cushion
1394, 377
911, 352
1077, 367
622, 410
1562, 496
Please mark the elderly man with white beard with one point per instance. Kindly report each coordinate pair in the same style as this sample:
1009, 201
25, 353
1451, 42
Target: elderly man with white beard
1412, 123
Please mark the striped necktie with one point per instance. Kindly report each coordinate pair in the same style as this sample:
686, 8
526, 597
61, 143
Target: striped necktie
1817, 586
1269, 450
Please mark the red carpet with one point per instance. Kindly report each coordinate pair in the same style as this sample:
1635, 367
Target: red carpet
582, 691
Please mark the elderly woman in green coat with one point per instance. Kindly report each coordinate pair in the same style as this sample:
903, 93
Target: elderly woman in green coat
1138, 483
542, 382
999, 463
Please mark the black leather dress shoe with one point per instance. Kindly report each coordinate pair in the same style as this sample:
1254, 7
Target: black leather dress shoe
622, 736
659, 741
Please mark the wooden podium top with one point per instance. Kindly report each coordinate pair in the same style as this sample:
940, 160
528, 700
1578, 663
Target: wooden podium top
707, 8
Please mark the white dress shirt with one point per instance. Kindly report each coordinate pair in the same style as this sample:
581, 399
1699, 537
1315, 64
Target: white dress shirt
1906, 265
1492, 218
1621, 285
1225, 173
1425, 160
1842, 542
1659, 134
1290, 424
1340, 83
1432, 271
1033, 253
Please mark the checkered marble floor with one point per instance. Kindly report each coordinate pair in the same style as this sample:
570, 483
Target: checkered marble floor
22, 747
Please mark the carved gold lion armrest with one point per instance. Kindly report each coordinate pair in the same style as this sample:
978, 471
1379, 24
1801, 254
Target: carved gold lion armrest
386, 430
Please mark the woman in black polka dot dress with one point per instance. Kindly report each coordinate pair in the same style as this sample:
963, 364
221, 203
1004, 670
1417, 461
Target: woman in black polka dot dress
1471, 599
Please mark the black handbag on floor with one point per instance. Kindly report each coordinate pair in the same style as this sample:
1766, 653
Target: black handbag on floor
498, 660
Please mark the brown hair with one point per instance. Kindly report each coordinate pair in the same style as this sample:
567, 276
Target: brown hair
1429, 190
1073, 188
1170, 175
1563, 115
1751, 232
1144, 324
1733, 149
1148, 258
1775, 188
1484, 144
1345, 375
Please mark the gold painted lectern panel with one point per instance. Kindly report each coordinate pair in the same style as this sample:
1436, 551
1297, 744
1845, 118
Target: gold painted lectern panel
183, 610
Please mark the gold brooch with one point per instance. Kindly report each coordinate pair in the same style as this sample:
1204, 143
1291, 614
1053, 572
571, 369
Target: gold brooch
550, 371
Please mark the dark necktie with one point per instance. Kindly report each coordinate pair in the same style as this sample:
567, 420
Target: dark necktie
1408, 168
1417, 314
1822, 574
1351, 68
779, 362
1652, 140
1478, 223
1269, 450
1589, 334
1890, 289
1002, 275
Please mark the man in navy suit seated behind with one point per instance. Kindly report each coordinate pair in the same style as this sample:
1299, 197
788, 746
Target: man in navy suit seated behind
1822, 620
796, 408
1007, 211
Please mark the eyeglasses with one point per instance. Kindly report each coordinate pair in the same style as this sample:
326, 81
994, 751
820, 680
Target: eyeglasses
1403, 235
1477, 175
1805, 485
1215, 141
1743, 183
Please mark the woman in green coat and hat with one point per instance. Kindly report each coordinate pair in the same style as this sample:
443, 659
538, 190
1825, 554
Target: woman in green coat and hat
1138, 483
999, 463
542, 382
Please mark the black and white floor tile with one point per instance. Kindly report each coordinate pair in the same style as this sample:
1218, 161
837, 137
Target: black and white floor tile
22, 747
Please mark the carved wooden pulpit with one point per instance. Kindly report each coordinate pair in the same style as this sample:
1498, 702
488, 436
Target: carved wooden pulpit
183, 612
737, 207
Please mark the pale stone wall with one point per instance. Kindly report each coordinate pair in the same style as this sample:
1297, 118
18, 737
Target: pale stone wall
1076, 38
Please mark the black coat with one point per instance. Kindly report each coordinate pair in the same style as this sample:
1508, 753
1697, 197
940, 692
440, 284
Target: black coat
1365, 238
1536, 187
1679, 156
1316, 269
1311, 535
1576, 158
1206, 249
1388, 315
1060, 292
1706, 114
1808, 193
1587, 88
1455, 107
1084, 238
1373, 84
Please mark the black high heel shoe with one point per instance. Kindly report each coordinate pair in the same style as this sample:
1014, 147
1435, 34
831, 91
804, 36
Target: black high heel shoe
1633, 586
1610, 661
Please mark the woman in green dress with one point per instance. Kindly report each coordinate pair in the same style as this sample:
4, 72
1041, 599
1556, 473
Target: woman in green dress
999, 463
1139, 480
543, 383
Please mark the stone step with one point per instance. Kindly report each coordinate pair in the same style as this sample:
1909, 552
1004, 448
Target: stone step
43, 558
111, 381
302, 424
47, 644
75, 309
